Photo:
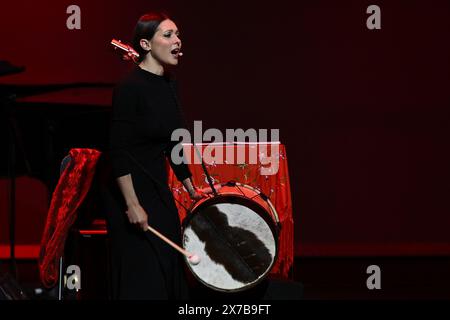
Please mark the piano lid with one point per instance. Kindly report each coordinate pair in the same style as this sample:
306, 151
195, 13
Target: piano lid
6, 68
80, 97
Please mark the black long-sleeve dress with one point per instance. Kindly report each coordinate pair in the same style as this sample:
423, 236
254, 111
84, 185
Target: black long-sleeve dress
145, 112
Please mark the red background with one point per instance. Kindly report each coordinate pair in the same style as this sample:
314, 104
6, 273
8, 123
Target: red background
364, 114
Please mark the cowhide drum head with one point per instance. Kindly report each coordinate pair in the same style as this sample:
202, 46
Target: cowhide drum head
235, 236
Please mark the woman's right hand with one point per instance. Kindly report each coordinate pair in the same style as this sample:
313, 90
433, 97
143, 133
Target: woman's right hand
137, 215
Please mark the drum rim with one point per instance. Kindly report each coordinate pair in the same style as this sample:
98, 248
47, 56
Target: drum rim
264, 197
267, 217
261, 194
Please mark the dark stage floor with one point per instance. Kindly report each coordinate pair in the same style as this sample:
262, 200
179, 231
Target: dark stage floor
313, 278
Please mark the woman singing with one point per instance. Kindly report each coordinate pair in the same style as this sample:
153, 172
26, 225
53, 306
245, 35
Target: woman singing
145, 113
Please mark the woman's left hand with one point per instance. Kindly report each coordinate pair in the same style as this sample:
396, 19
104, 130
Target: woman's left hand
197, 194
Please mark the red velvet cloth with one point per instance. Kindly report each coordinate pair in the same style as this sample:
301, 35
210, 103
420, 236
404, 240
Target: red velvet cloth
73, 185
275, 186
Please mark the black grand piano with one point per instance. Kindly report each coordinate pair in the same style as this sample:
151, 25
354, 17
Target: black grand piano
42, 124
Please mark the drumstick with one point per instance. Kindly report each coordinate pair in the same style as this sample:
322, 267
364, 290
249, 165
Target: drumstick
193, 258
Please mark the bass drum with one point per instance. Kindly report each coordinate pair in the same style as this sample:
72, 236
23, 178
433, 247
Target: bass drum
235, 235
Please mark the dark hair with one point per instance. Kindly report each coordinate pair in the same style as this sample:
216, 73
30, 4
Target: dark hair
145, 29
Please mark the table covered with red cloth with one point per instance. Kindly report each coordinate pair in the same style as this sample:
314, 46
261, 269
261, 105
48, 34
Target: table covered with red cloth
76, 179
251, 164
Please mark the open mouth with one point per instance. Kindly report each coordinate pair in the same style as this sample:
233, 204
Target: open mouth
175, 51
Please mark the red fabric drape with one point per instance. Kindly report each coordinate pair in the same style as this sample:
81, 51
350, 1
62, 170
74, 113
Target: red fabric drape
72, 187
275, 186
